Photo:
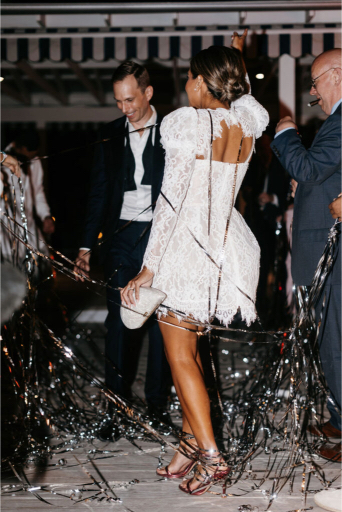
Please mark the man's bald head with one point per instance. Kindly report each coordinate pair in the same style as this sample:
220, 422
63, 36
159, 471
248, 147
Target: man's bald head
327, 75
330, 58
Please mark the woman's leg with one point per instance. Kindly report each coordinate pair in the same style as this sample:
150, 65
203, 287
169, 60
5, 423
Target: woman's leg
181, 348
188, 445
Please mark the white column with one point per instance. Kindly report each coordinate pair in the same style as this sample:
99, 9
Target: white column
287, 86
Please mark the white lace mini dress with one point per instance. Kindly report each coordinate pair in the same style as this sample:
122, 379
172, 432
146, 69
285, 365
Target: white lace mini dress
184, 258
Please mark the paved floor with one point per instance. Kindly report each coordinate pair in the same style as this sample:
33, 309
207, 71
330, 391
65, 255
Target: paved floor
125, 473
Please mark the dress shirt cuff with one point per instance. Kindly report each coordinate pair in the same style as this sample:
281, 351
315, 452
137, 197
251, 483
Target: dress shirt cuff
282, 131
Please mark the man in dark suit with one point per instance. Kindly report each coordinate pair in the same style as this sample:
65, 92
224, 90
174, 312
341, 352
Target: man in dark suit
265, 189
318, 173
126, 179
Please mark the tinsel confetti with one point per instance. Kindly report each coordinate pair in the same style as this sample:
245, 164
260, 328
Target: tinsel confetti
266, 408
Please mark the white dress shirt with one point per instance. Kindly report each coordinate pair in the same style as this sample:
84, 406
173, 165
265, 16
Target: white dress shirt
135, 201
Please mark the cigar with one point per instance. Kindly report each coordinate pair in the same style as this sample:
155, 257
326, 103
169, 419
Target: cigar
313, 103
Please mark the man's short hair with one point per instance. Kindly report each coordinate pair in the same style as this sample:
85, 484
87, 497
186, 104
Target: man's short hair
132, 68
28, 139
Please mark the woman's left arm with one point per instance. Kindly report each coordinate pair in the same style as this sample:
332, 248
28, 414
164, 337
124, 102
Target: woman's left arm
178, 132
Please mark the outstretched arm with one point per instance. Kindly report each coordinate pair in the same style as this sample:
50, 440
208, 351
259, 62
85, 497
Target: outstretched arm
238, 42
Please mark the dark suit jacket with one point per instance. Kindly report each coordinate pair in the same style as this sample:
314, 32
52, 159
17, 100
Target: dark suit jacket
107, 182
253, 185
318, 173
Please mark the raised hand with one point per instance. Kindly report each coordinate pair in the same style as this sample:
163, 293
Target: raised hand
286, 122
238, 42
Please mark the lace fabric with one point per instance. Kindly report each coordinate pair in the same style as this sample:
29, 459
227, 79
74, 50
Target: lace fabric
181, 267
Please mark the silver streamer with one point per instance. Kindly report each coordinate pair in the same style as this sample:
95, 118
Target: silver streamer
266, 408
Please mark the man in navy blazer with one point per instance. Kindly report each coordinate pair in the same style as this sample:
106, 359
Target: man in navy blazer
318, 173
126, 180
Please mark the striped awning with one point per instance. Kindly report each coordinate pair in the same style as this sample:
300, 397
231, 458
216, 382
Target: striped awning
165, 44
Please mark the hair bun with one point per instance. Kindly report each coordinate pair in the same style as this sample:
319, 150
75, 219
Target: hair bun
223, 72
235, 88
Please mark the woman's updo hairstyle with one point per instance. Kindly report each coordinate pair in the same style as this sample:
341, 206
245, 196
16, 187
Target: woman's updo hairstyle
223, 72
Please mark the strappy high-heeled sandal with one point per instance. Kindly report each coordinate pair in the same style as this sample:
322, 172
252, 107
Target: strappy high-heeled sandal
209, 460
193, 456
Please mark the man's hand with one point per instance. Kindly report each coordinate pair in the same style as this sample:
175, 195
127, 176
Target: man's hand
82, 264
294, 186
265, 198
238, 42
12, 163
48, 226
335, 208
286, 122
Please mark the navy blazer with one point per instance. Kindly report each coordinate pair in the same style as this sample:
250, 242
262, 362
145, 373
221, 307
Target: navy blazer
318, 173
107, 182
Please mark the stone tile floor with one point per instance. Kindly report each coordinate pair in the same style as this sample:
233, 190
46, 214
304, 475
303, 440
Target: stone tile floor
130, 470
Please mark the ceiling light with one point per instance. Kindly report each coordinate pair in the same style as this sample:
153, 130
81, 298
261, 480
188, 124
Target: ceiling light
260, 76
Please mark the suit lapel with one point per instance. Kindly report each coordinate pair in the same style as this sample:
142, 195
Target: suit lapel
117, 146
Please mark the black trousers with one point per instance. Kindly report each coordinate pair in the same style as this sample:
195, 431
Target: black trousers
123, 345
330, 346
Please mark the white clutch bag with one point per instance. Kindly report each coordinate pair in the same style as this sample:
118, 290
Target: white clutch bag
150, 299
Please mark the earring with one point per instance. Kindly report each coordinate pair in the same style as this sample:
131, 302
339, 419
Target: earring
198, 85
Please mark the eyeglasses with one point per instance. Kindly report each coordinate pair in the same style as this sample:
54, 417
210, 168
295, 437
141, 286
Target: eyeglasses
314, 80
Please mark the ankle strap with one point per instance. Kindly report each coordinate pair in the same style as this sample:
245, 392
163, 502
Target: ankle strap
186, 435
211, 457
211, 451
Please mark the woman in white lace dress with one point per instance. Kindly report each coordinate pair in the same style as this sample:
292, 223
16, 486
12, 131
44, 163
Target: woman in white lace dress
188, 249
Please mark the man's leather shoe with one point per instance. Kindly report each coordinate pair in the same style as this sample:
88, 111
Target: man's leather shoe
330, 452
326, 429
159, 414
109, 432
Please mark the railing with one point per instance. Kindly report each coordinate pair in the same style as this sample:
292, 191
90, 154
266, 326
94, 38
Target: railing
162, 7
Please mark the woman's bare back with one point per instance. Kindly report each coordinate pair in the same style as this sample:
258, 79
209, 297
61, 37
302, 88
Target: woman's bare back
226, 147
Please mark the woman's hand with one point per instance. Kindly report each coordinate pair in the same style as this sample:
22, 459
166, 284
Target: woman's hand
12, 163
238, 42
144, 278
